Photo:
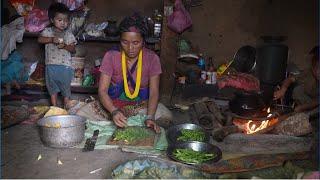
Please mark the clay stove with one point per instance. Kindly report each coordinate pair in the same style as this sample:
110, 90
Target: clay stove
261, 123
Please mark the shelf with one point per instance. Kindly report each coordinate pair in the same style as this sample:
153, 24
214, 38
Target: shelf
74, 89
149, 40
31, 34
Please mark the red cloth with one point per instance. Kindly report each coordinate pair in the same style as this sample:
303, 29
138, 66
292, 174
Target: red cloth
240, 81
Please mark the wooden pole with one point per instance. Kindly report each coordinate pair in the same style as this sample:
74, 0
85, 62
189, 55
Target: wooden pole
168, 55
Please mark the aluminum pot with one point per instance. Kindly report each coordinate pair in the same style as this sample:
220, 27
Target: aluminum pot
62, 130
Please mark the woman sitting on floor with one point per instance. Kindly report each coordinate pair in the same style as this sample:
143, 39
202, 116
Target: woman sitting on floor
130, 77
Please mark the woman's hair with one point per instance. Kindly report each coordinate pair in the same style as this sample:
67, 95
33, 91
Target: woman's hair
57, 8
134, 23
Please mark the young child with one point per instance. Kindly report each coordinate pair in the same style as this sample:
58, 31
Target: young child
59, 44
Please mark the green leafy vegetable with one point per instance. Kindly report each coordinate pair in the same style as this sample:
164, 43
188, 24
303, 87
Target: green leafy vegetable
131, 134
191, 156
191, 135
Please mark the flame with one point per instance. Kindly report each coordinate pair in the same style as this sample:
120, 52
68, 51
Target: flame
252, 129
268, 110
253, 126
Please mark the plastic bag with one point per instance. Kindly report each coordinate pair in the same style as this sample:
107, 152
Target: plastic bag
23, 7
72, 4
36, 20
180, 19
78, 19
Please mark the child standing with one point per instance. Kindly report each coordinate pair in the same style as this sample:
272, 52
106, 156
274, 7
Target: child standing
59, 44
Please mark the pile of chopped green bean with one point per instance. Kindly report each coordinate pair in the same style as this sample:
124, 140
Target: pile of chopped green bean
191, 156
191, 135
131, 134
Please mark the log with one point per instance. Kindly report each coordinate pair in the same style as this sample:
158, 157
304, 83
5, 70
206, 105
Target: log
209, 122
215, 110
264, 144
220, 133
201, 108
252, 162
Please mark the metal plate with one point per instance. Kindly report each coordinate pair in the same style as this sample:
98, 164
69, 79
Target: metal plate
174, 132
196, 146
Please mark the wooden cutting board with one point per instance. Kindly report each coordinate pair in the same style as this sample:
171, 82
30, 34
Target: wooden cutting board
145, 142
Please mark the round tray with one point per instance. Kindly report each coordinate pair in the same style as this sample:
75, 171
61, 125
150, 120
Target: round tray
196, 146
175, 131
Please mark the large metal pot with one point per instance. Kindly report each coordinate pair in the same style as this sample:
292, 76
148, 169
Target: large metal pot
248, 104
62, 130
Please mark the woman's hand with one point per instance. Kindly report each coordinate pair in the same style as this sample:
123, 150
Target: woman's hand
151, 124
279, 94
119, 119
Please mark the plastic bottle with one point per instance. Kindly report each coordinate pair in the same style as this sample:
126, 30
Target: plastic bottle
88, 80
157, 24
212, 69
201, 62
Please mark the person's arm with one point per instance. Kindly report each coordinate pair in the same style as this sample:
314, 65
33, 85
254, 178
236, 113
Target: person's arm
305, 107
117, 116
153, 102
285, 85
47, 40
71, 47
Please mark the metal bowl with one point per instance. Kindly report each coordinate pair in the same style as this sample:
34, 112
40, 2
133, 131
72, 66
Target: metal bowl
62, 130
175, 131
196, 146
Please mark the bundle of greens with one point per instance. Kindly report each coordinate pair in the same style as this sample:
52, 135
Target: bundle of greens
131, 134
191, 156
191, 135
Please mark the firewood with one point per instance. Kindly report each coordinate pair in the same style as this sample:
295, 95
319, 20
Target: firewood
220, 133
209, 121
215, 110
201, 108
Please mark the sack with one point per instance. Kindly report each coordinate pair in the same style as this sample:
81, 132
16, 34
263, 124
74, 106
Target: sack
72, 4
180, 19
23, 7
36, 20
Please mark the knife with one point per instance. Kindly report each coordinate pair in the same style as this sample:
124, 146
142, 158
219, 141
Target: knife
91, 142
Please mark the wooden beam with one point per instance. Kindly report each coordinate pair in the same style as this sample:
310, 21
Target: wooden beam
168, 55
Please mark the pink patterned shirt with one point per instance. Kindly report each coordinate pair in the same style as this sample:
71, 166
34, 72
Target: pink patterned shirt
111, 66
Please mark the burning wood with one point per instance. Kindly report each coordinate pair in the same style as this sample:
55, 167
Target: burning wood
255, 126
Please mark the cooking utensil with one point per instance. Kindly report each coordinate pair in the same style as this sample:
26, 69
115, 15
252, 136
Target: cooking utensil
196, 146
62, 130
245, 59
174, 132
247, 104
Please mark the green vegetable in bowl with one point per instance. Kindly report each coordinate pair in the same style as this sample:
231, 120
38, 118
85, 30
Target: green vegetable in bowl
191, 135
131, 134
191, 156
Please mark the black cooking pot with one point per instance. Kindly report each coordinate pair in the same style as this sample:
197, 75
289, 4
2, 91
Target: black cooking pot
247, 104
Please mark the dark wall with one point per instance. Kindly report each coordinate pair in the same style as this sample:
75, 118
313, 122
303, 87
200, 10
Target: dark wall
220, 28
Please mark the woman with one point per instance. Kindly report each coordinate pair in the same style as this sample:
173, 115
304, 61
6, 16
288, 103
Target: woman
130, 75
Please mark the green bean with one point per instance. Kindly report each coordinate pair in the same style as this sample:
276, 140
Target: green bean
131, 134
191, 135
191, 156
